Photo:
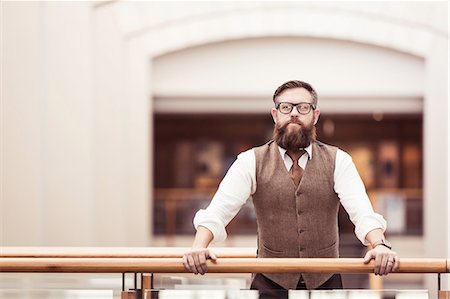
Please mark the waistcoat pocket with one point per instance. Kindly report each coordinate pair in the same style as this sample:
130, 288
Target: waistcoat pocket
272, 251
329, 251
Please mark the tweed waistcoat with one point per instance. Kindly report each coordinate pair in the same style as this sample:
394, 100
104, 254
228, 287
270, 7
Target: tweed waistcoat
296, 221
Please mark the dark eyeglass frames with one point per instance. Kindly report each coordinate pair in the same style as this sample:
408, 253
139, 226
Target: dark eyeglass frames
302, 108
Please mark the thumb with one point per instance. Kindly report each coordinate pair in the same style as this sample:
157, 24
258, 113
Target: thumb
212, 255
369, 255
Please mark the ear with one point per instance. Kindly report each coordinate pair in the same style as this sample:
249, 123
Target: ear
274, 113
316, 115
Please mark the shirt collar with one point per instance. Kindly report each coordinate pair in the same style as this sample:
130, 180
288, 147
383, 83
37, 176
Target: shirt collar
308, 149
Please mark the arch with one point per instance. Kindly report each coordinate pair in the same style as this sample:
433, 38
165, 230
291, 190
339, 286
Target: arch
283, 21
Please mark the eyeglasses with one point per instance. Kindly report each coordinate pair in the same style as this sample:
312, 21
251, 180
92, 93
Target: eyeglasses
302, 108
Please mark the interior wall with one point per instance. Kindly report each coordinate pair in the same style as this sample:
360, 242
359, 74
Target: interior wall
110, 121
47, 177
436, 159
21, 132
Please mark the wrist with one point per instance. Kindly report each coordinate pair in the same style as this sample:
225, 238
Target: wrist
198, 247
202, 238
382, 242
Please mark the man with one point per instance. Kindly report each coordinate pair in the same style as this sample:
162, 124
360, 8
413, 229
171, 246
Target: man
296, 184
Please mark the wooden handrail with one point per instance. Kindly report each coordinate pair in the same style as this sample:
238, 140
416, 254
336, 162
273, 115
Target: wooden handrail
119, 252
222, 265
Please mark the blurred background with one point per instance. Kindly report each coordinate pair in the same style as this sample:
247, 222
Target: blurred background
120, 118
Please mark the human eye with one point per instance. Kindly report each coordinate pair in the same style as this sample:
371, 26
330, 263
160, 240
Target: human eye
285, 107
304, 107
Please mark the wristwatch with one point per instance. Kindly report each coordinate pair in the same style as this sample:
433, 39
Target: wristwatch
383, 242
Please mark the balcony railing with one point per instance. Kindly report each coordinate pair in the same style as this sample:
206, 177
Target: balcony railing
168, 260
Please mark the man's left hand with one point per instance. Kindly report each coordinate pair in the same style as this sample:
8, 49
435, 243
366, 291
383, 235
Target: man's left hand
386, 260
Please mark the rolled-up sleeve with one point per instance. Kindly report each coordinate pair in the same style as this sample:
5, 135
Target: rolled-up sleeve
234, 190
353, 196
205, 218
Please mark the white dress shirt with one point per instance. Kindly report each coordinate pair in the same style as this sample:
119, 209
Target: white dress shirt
240, 183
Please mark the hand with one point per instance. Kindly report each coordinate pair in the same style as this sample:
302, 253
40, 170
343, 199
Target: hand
386, 260
195, 260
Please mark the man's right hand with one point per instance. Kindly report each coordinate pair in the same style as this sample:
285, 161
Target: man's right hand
195, 260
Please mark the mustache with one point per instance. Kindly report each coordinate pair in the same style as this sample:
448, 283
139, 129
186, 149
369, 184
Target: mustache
292, 121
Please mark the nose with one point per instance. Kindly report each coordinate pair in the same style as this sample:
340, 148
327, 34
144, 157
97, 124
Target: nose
294, 112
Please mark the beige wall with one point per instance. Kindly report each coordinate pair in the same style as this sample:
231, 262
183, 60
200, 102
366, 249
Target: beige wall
21, 121
77, 103
47, 117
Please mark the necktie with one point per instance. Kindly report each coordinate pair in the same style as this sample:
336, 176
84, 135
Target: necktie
296, 171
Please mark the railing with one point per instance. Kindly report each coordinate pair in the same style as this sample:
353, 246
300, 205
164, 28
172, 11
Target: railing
117, 252
222, 265
168, 260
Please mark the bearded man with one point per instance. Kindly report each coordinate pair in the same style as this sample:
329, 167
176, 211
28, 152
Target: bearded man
297, 184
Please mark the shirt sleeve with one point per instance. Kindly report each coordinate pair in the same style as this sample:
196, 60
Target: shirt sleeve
353, 196
234, 190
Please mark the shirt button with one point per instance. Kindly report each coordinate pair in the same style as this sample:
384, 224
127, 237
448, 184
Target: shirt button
300, 231
298, 193
301, 249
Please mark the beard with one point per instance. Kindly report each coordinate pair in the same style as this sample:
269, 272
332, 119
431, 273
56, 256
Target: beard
294, 137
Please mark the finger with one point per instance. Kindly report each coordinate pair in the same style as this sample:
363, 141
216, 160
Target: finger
192, 264
202, 260
383, 264
212, 255
368, 257
378, 263
390, 264
197, 264
185, 263
396, 264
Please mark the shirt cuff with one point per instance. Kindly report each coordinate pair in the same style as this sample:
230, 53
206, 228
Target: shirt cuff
367, 224
212, 223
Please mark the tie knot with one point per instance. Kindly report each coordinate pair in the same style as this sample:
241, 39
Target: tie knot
296, 155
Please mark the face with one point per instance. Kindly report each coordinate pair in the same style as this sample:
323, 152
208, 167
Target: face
294, 130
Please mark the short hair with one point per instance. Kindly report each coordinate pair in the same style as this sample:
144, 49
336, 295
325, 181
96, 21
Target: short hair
295, 84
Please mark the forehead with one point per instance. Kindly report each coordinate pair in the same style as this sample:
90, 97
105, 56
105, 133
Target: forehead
295, 95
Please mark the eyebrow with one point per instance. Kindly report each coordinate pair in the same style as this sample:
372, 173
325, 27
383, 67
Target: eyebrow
294, 103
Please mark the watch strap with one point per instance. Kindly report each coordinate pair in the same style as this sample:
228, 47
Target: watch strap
382, 242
